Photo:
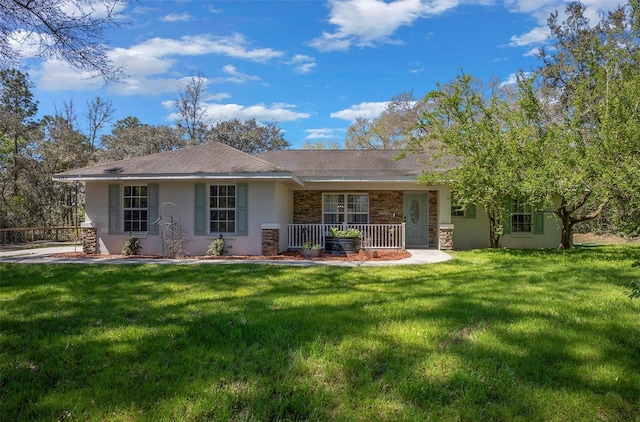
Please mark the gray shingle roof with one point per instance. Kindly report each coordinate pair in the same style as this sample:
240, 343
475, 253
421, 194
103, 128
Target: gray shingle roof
209, 159
349, 163
219, 160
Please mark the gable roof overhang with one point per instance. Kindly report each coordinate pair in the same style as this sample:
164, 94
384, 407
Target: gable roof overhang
282, 176
213, 161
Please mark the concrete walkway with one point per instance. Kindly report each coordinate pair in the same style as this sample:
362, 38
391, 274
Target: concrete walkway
42, 256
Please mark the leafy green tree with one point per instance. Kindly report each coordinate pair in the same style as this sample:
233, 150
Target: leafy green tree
321, 145
61, 148
17, 125
130, 138
467, 125
589, 86
249, 136
393, 129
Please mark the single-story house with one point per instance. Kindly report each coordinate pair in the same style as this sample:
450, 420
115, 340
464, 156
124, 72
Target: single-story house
278, 200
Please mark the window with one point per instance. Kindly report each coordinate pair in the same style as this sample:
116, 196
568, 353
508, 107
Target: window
350, 208
458, 211
222, 209
521, 217
135, 208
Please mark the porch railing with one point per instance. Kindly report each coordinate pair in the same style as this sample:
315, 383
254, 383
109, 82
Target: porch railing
374, 236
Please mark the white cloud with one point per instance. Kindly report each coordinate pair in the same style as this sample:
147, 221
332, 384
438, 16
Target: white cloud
177, 17
535, 36
235, 46
302, 63
369, 110
513, 79
234, 76
540, 10
56, 75
366, 22
323, 134
147, 61
276, 112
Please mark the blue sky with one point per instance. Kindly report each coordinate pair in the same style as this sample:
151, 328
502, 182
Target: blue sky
309, 66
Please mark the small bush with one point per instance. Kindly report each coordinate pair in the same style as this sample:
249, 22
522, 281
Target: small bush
131, 246
216, 248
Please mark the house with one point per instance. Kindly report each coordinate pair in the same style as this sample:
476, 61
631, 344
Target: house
265, 204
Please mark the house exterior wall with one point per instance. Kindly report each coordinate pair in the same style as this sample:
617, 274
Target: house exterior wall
385, 207
263, 207
473, 233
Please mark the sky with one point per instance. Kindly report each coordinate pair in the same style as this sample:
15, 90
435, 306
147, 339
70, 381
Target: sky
311, 67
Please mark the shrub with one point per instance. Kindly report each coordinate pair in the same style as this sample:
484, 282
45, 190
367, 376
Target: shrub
216, 248
334, 232
131, 246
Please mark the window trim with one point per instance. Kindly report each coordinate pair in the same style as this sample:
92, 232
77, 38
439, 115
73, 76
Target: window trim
467, 212
209, 209
345, 213
531, 213
124, 208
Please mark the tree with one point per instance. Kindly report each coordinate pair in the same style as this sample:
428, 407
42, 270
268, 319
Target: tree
99, 114
321, 145
68, 30
130, 138
590, 82
17, 109
61, 148
467, 124
192, 112
248, 136
393, 129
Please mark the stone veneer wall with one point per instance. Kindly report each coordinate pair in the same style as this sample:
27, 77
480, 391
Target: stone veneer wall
433, 235
89, 240
446, 239
385, 207
270, 241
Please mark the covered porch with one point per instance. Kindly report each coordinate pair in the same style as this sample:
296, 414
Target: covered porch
373, 236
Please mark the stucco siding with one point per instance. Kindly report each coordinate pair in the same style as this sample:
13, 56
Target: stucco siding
473, 233
177, 200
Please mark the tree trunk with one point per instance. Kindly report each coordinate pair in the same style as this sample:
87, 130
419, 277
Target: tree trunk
494, 234
566, 236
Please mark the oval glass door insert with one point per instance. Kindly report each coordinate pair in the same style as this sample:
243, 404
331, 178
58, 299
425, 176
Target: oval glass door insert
414, 211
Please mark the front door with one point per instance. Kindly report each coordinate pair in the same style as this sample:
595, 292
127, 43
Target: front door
415, 217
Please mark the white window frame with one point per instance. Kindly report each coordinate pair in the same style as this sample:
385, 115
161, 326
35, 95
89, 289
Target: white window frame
226, 208
135, 203
345, 208
520, 211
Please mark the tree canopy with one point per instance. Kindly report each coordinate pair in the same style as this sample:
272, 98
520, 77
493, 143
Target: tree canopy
566, 138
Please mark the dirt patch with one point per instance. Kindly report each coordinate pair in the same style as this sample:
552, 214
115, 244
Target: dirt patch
382, 255
602, 239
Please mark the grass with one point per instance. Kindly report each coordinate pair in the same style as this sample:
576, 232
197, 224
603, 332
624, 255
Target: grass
490, 335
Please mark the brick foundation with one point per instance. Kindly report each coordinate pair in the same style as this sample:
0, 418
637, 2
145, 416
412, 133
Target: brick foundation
270, 241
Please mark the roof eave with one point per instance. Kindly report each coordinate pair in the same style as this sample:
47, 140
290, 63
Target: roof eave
172, 177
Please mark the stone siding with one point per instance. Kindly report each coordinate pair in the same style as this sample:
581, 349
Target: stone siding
89, 240
385, 207
446, 239
432, 235
270, 241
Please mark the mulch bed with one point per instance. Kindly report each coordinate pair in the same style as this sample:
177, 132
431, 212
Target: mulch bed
382, 255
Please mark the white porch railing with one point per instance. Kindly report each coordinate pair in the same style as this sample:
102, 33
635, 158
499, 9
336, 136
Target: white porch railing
374, 236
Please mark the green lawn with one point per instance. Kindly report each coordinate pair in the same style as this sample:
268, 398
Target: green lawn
490, 335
